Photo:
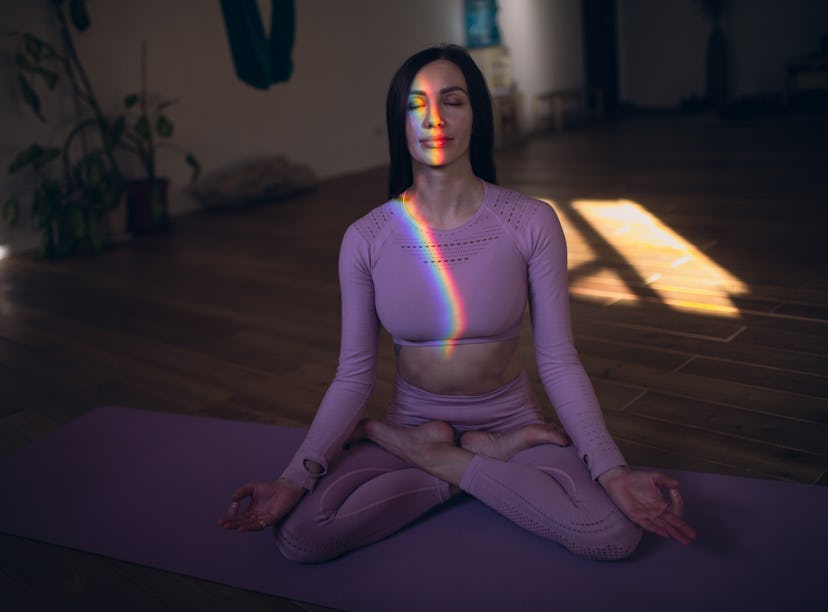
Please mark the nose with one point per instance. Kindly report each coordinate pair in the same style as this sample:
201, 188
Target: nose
433, 118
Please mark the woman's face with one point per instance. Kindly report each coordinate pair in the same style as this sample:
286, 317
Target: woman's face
439, 119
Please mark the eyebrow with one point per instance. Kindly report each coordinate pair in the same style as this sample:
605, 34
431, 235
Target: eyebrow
445, 90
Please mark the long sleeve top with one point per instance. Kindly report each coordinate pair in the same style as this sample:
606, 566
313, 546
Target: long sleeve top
444, 287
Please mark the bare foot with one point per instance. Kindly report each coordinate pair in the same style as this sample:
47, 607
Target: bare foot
429, 446
408, 443
503, 446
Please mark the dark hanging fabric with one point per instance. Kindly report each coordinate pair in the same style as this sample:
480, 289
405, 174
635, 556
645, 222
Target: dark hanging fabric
260, 60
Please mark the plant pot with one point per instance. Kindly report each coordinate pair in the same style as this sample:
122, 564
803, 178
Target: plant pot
147, 205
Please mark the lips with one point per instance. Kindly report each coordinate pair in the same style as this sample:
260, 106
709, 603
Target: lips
435, 142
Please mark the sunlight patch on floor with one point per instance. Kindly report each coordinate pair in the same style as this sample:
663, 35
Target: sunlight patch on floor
652, 262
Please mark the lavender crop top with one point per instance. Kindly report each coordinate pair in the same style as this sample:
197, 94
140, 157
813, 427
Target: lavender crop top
463, 285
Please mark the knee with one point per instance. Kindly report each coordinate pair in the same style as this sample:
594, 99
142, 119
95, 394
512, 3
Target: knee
302, 544
308, 536
619, 541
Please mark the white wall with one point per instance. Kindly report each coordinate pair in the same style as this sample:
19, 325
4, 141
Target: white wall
330, 115
545, 39
662, 46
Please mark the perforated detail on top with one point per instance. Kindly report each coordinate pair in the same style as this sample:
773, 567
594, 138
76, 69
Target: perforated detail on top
514, 209
372, 224
446, 251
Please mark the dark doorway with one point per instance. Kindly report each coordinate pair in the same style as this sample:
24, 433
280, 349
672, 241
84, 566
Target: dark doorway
600, 50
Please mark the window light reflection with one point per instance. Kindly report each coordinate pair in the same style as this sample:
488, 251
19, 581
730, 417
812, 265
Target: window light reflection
654, 263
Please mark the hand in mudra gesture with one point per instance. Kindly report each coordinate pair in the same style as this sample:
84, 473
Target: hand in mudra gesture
651, 500
269, 502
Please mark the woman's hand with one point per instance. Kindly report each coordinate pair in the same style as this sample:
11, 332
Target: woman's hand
269, 503
641, 496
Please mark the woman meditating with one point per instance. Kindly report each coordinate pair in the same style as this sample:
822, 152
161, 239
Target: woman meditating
447, 266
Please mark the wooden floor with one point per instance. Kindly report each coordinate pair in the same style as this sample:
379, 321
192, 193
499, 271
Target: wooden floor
699, 303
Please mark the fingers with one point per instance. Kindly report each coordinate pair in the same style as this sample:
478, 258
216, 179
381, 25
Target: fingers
248, 521
253, 525
232, 511
676, 502
668, 525
652, 526
680, 529
243, 491
232, 514
664, 481
677, 528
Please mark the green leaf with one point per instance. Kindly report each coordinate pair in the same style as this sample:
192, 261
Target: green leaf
24, 63
77, 222
164, 126
162, 105
11, 211
193, 163
34, 154
79, 14
142, 127
111, 193
114, 133
45, 156
30, 96
22, 159
90, 173
46, 203
50, 76
34, 46
131, 100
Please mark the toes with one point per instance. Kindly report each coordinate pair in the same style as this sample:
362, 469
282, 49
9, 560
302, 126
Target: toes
440, 431
558, 436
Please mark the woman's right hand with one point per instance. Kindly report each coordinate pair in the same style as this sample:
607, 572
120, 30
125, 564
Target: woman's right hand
269, 503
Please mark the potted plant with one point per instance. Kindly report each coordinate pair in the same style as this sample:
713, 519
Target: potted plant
145, 129
78, 183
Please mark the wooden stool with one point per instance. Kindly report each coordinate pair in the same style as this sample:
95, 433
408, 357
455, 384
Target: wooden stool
589, 104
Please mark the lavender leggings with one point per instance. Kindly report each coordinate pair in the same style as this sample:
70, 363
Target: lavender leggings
368, 494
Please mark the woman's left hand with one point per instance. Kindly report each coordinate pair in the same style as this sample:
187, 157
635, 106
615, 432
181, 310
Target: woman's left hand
649, 499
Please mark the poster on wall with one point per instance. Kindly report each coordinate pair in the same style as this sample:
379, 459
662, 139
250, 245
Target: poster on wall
481, 24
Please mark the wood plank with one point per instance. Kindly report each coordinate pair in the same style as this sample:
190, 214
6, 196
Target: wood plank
745, 424
760, 376
767, 460
736, 351
724, 393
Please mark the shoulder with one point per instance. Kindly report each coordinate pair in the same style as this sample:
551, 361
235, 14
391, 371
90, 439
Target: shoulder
364, 237
372, 227
525, 216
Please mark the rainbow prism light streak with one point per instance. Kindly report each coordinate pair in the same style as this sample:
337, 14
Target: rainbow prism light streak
445, 287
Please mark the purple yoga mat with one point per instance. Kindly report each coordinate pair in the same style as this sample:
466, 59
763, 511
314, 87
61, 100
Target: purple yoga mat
147, 487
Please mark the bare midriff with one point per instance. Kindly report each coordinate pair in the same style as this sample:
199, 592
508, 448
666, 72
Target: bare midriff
464, 369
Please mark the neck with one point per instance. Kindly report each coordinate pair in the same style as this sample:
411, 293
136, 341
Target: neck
444, 197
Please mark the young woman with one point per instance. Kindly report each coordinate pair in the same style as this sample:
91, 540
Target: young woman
447, 266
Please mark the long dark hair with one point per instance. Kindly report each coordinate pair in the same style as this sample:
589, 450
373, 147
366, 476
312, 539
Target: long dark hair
400, 175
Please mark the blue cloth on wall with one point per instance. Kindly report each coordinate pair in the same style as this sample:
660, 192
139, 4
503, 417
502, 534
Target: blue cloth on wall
260, 60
